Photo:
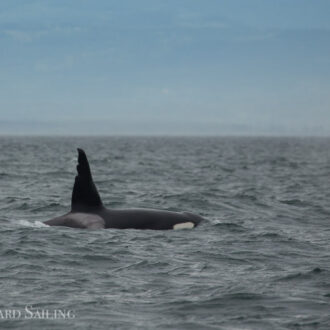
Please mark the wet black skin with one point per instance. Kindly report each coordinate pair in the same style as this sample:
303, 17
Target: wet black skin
88, 211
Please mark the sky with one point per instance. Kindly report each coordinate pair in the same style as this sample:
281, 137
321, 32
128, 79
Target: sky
165, 67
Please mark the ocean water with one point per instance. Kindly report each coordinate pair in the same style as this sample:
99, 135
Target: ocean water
261, 260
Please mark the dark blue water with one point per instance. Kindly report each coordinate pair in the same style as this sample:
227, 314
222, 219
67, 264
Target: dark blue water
260, 261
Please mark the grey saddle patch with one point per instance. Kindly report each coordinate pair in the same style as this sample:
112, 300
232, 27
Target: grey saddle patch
84, 220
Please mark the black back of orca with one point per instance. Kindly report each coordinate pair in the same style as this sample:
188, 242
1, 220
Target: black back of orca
88, 211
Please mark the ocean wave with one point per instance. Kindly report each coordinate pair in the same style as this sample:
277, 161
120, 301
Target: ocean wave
35, 224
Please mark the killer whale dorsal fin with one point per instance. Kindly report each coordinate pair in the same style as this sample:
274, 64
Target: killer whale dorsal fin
85, 196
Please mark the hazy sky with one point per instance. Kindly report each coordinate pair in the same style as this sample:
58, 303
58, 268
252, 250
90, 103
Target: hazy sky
165, 67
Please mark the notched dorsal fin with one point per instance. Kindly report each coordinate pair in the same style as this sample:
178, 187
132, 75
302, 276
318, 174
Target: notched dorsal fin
85, 196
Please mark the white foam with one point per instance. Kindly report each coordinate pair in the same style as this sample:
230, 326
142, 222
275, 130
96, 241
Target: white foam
184, 225
36, 224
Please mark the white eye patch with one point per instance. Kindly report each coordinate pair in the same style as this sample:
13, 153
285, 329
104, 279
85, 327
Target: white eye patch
184, 225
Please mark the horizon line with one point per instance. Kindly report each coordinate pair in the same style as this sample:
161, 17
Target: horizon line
165, 135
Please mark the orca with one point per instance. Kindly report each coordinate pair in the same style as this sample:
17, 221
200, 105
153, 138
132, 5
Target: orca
88, 211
